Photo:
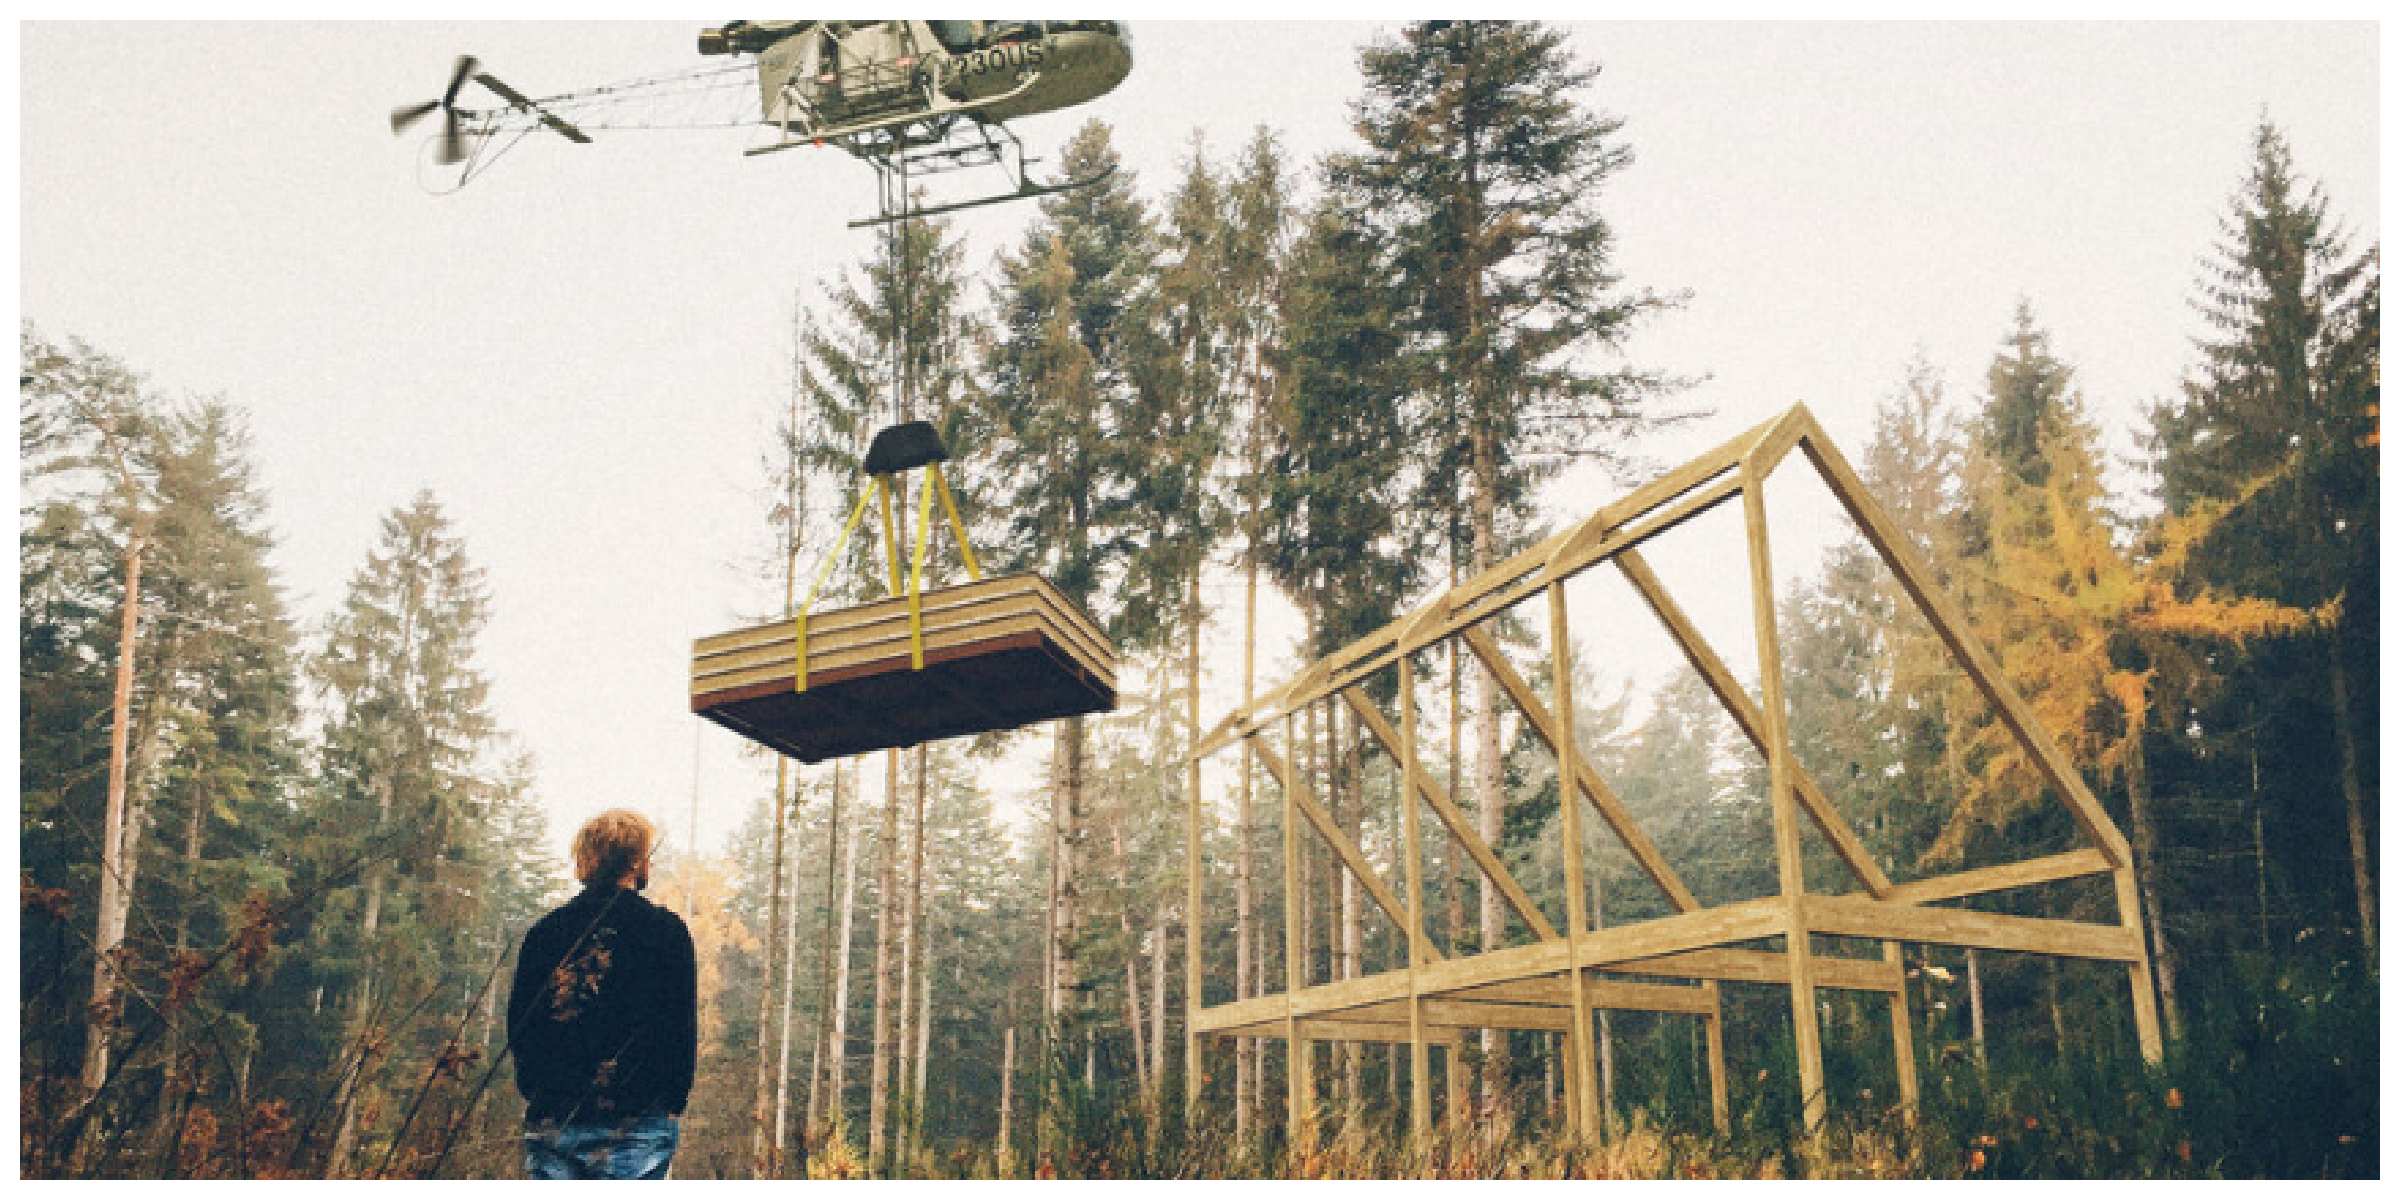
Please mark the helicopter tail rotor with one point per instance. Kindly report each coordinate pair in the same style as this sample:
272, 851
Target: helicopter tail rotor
453, 141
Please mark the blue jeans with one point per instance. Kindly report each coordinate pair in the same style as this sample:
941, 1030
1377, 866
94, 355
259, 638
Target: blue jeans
633, 1148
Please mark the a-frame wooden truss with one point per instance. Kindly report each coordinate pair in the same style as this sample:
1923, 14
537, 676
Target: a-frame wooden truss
1435, 1001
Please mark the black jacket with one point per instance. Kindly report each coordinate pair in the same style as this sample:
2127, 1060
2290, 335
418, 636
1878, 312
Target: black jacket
603, 1015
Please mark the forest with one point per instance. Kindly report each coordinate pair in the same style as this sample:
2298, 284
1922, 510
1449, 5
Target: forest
274, 872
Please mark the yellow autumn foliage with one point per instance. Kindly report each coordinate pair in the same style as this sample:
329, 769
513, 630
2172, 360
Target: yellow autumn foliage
701, 889
2097, 634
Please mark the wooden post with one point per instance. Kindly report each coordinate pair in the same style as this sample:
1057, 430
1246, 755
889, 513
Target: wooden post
1904, 1046
1713, 1030
1793, 885
1583, 1098
2137, 969
1299, 1119
1420, 1087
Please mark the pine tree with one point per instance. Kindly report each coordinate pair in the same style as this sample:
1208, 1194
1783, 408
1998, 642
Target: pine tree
1485, 171
1185, 371
404, 741
2101, 637
894, 344
94, 418
228, 696
2290, 371
1253, 267
1058, 376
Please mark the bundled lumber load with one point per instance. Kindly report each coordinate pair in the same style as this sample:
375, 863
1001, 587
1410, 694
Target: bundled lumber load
996, 654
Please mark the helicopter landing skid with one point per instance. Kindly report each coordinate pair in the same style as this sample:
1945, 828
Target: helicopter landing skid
953, 148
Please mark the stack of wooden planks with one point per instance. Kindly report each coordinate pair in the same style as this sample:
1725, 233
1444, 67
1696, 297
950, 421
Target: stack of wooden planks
999, 654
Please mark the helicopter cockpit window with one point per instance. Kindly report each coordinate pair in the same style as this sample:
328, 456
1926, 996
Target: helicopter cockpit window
957, 37
1114, 29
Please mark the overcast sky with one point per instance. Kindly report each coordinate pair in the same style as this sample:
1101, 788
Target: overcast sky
581, 353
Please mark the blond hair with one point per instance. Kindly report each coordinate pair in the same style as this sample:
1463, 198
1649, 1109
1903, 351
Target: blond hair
613, 845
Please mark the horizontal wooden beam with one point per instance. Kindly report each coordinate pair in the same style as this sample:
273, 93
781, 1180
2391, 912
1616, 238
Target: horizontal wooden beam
1344, 1029
1738, 922
1598, 992
2073, 864
1517, 974
1341, 994
1767, 966
1467, 1014
1221, 1018
1856, 916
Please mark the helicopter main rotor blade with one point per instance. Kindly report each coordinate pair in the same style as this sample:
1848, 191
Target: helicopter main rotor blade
454, 142
458, 78
409, 114
545, 116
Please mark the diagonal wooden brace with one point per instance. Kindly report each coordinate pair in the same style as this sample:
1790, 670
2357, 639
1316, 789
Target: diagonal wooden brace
1611, 809
1344, 849
1720, 680
1951, 626
1454, 820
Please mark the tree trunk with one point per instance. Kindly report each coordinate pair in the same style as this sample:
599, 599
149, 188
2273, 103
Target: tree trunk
1453, 901
812, 1126
783, 1052
1245, 964
2362, 865
837, 1045
879, 1068
1158, 1003
2258, 834
1008, 1079
1195, 885
1550, 1080
117, 835
1975, 1005
1051, 992
370, 920
1069, 998
1608, 1043
916, 1120
171, 1087
1308, 770
1488, 800
912, 954
1353, 815
763, 1149
2058, 1011
1134, 1023
2145, 865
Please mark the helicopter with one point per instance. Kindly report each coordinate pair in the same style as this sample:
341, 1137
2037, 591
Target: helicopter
906, 97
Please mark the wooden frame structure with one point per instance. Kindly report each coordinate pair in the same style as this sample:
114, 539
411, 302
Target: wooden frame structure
1435, 1001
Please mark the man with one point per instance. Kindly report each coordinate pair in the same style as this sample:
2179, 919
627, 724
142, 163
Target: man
602, 1017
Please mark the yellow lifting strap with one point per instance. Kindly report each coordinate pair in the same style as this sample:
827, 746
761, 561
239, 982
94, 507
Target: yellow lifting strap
912, 580
958, 528
800, 617
916, 580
